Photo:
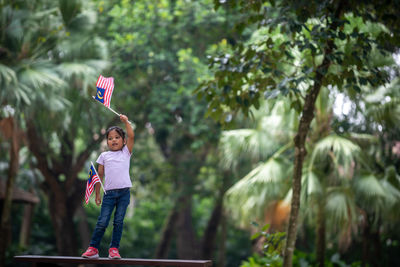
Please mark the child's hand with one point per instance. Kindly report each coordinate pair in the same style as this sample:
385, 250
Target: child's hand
123, 118
98, 199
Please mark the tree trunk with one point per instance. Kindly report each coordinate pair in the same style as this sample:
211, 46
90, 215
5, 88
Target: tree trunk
365, 243
300, 138
25, 232
211, 231
320, 235
371, 244
187, 243
180, 222
222, 248
63, 206
5, 227
377, 249
63, 223
168, 232
64, 197
83, 227
210, 234
300, 153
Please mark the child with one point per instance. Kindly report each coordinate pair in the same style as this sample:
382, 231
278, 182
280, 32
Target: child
115, 165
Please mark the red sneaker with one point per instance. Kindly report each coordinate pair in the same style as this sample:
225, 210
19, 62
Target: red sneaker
91, 252
113, 253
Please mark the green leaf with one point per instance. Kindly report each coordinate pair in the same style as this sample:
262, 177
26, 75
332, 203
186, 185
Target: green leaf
255, 236
265, 227
342, 35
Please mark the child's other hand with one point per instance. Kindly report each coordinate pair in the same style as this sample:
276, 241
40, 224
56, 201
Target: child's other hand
98, 199
123, 118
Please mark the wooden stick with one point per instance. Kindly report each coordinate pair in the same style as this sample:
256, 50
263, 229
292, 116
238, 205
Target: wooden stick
116, 113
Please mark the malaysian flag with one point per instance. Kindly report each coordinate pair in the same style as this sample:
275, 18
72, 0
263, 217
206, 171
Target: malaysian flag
105, 87
93, 179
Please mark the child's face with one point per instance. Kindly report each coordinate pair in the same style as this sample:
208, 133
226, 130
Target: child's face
115, 141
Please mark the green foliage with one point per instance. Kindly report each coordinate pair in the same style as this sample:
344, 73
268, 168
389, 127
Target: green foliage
298, 49
308, 259
284, 56
273, 244
157, 68
262, 152
27, 35
52, 52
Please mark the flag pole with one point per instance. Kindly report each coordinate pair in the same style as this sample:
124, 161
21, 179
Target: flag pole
116, 113
99, 178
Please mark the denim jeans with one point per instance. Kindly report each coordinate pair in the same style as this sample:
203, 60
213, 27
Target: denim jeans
118, 199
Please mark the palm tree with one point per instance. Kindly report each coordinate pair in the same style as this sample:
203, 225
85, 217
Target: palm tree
378, 189
50, 57
327, 191
22, 76
260, 194
334, 181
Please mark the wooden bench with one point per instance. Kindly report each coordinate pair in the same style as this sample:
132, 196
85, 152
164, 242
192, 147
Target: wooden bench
34, 259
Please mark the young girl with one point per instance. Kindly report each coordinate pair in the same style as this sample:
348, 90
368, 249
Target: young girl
114, 164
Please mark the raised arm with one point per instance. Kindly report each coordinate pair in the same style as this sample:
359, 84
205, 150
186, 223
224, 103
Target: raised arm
129, 132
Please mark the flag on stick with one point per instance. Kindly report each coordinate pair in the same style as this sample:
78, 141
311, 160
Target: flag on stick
93, 179
105, 87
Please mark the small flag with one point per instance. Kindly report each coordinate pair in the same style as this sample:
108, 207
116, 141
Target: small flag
93, 179
105, 87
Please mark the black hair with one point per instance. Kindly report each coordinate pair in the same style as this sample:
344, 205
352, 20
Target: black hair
119, 130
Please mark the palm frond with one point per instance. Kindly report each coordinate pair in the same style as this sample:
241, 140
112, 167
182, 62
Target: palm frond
377, 196
392, 194
68, 70
387, 113
97, 64
8, 77
39, 75
369, 187
340, 208
362, 138
84, 73
12, 91
384, 105
249, 197
312, 184
232, 145
280, 122
271, 132
76, 17
391, 185
82, 47
370, 193
12, 21
342, 151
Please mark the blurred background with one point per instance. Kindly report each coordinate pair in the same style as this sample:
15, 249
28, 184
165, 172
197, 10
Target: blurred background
217, 91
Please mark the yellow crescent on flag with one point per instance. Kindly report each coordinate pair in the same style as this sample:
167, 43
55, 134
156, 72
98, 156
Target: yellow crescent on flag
99, 96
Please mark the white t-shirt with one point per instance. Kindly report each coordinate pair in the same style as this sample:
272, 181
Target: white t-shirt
116, 168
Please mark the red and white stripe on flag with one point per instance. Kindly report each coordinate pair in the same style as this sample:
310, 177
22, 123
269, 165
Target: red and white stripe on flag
108, 85
90, 186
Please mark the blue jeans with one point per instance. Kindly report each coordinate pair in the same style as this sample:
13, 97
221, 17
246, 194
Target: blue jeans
118, 199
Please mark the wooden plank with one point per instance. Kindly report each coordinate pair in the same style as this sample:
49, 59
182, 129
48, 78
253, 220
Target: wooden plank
123, 261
